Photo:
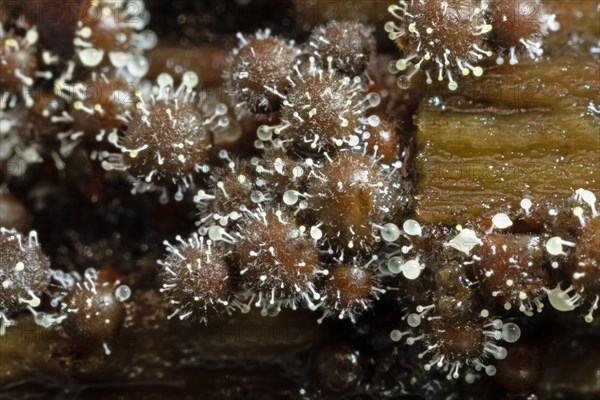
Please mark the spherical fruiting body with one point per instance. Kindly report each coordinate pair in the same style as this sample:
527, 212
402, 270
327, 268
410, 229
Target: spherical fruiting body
28, 133
510, 271
93, 306
349, 290
230, 193
101, 104
277, 258
278, 172
443, 38
108, 34
24, 274
519, 25
455, 344
324, 111
19, 64
196, 279
383, 143
346, 46
258, 69
350, 197
168, 137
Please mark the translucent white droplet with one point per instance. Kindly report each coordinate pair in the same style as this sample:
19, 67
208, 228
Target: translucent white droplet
390, 232
164, 80
257, 196
290, 197
118, 59
394, 264
413, 320
395, 335
264, 133
91, 57
560, 300
138, 66
215, 233
122, 293
412, 227
526, 204
189, 79
554, 246
316, 233
411, 269
501, 221
511, 332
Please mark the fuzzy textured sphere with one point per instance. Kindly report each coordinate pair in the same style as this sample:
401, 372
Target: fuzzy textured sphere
275, 256
24, 272
347, 45
196, 279
349, 196
443, 38
258, 72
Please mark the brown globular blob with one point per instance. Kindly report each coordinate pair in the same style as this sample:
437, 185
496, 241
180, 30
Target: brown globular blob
104, 104
274, 255
196, 279
384, 141
231, 189
94, 313
13, 214
166, 142
511, 271
258, 70
322, 112
24, 272
457, 340
443, 38
349, 195
349, 290
105, 27
18, 61
348, 44
514, 20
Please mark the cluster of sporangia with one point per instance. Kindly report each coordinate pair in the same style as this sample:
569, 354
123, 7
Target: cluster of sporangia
447, 39
314, 220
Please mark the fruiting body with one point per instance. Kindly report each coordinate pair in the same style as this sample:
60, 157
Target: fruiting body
445, 39
93, 306
108, 34
258, 70
384, 142
229, 195
452, 345
509, 268
168, 138
101, 104
278, 172
351, 196
324, 111
519, 25
195, 279
24, 274
349, 290
277, 259
19, 65
346, 46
